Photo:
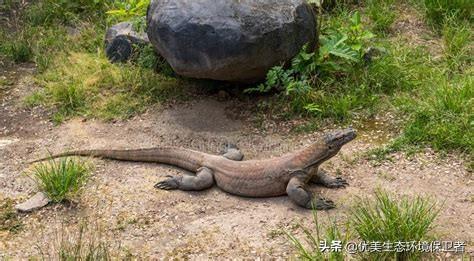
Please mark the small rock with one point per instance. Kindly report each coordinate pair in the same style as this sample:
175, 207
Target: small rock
37, 201
120, 40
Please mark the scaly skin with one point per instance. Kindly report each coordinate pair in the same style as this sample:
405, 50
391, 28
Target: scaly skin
287, 174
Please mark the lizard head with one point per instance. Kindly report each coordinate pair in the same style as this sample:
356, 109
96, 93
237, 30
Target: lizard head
335, 140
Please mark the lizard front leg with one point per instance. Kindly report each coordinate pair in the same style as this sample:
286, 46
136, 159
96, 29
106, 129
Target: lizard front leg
321, 177
298, 193
204, 179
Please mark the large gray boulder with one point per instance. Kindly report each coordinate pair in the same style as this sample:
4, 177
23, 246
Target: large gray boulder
231, 40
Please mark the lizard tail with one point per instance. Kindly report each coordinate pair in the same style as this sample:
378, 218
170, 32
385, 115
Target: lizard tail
184, 158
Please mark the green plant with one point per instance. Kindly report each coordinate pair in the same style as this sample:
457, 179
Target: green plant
382, 14
444, 118
457, 49
9, 219
18, 50
437, 10
340, 51
387, 220
89, 85
129, 10
48, 12
60, 179
310, 247
7, 5
83, 245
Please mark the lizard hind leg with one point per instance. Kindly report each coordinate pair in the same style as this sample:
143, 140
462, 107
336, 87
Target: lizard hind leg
204, 179
232, 152
298, 193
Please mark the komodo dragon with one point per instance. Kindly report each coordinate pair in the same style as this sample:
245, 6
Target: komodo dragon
287, 174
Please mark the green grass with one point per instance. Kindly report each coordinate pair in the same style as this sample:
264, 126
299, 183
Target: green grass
85, 244
385, 219
431, 93
457, 44
308, 248
60, 179
382, 219
382, 14
65, 40
445, 118
17, 49
85, 240
89, 85
53, 12
436, 11
9, 220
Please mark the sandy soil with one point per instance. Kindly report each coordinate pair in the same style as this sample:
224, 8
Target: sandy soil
121, 203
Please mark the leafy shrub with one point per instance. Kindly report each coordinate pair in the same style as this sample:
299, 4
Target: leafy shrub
60, 179
340, 51
130, 10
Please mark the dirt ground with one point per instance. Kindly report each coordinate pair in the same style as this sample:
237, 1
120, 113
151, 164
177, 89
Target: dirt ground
120, 203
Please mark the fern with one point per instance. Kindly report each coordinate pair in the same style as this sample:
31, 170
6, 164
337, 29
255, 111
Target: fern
339, 51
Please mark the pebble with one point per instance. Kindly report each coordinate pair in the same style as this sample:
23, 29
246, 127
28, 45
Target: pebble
36, 202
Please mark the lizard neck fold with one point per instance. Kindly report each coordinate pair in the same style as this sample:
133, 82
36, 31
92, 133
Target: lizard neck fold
312, 155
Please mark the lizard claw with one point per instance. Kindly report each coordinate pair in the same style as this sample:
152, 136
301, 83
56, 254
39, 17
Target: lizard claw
337, 183
169, 184
321, 204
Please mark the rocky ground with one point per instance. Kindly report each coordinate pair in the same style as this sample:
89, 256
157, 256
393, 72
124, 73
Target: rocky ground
120, 205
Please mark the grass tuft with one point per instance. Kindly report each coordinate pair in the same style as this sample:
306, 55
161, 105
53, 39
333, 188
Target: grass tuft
457, 48
436, 11
380, 220
309, 247
444, 118
387, 220
18, 49
82, 245
9, 220
382, 14
60, 179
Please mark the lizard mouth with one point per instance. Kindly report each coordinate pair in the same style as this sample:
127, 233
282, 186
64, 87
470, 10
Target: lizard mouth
340, 137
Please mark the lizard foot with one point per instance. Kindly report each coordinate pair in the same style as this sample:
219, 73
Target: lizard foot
336, 183
321, 204
169, 184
